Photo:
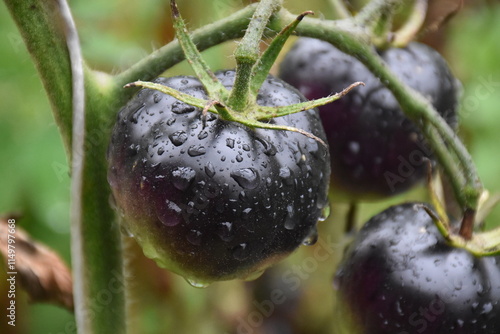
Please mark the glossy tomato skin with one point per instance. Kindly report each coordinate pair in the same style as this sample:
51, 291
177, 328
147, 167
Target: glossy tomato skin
221, 201
376, 150
400, 276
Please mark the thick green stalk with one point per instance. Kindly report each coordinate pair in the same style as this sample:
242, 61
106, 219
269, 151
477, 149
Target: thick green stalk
41, 28
99, 290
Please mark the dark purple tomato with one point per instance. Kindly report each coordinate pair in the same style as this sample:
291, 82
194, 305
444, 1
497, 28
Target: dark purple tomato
400, 276
222, 201
376, 151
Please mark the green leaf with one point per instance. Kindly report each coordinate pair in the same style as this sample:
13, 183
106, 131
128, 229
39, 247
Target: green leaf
262, 68
215, 89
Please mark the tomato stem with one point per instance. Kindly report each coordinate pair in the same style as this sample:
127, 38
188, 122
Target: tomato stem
247, 54
467, 226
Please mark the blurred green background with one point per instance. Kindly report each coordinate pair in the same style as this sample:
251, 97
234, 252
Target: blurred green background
34, 174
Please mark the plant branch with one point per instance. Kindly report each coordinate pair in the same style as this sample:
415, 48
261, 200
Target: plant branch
51, 39
41, 27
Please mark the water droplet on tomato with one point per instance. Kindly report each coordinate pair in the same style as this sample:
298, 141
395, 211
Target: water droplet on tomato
285, 174
194, 237
196, 150
241, 252
197, 284
311, 238
290, 220
225, 231
182, 177
134, 118
202, 135
182, 108
178, 138
170, 214
247, 178
209, 169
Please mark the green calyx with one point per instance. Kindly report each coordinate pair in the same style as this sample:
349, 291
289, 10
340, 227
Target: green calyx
479, 243
239, 104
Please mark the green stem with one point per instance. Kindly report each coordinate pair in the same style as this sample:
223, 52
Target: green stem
96, 253
247, 53
375, 9
454, 174
37, 21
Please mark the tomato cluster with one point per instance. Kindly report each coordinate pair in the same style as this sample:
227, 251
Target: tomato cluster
212, 199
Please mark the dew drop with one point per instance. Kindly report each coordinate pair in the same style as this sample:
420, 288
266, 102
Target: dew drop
269, 148
171, 121
290, 221
202, 135
487, 307
196, 150
311, 238
134, 118
399, 310
161, 150
178, 138
246, 147
182, 177
170, 214
225, 231
209, 169
325, 213
156, 98
194, 237
197, 284
239, 158
245, 214
182, 108
241, 252
285, 174
247, 178
230, 142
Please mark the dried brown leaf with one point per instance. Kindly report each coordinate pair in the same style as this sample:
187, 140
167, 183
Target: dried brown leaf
41, 272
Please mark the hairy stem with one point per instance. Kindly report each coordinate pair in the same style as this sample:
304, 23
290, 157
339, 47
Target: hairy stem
48, 32
247, 54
